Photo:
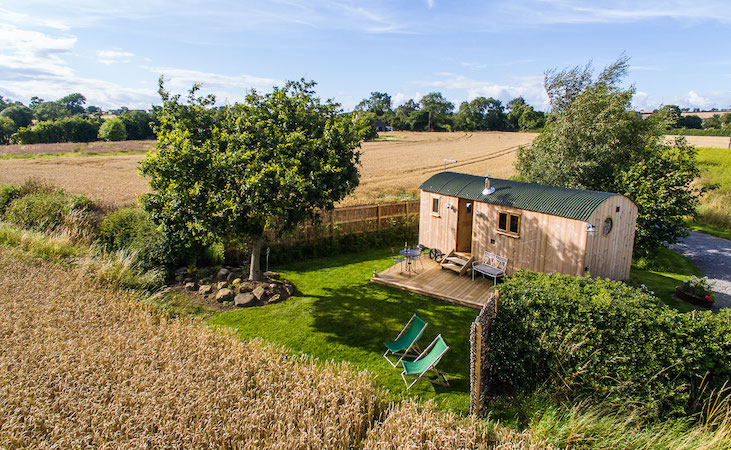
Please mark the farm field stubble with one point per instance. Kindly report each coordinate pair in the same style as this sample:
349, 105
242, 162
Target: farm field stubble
392, 169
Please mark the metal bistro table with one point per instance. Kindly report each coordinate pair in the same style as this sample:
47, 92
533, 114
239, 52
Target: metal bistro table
411, 254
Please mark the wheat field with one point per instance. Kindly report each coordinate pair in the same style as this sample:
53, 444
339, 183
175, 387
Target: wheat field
392, 169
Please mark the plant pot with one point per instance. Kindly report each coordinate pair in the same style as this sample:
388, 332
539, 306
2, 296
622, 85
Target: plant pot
690, 298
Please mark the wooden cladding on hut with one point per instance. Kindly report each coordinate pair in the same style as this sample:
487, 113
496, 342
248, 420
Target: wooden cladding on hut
540, 228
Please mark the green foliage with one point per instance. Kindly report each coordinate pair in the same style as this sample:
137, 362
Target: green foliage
725, 131
713, 122
481, 114
21, 115
73, 103
68, 129
606, 340
131, 230
8, 193
378, 103
699, 286
48, 211
593, 140
523, 117
113, 130
264, 165
438, 111
691, 121
48, 111
7, 128
659, 179
138, 125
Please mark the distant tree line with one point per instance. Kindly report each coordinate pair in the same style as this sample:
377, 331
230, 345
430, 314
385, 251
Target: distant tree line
68, 120
435, 113
673, 116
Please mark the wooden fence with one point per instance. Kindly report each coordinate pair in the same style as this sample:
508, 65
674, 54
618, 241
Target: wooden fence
354, 220
479, 367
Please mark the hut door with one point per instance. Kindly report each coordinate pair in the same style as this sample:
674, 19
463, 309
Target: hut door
464, 226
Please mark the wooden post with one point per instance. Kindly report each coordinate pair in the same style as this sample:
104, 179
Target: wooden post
378, 217
476, 372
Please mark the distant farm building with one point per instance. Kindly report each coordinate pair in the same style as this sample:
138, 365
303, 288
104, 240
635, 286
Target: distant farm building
380, 125
536, 227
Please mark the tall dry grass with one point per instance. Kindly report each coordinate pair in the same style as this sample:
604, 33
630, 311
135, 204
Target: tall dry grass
412, 425
85, 366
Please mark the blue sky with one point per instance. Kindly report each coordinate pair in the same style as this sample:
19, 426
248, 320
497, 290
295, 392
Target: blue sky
114, 52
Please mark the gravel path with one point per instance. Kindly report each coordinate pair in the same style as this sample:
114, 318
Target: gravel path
713, 256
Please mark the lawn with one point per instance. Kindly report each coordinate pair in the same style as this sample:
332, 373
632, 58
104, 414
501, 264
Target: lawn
662, 273
339, 315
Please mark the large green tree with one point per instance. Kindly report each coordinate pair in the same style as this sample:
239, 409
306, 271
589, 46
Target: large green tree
20, 114
593, 140
378, 103
438, 111
252, 170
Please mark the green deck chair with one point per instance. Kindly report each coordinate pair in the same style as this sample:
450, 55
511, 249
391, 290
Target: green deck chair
406, 340
426, 362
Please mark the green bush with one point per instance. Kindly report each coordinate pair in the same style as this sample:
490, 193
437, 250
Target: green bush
113, 130
68, 129
8, 193
606, 340
50, 211
133, 230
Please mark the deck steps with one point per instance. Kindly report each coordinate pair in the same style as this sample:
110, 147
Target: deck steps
457, 261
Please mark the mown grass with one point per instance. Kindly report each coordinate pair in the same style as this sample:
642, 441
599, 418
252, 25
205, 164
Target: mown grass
662, 272
715, 207
339, 315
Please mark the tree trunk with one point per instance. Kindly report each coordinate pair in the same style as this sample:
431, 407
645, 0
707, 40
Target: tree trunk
254, 270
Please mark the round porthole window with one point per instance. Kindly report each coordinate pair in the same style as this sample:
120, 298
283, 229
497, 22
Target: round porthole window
607, 227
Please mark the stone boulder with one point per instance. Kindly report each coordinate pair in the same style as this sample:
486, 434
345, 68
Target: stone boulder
190, 286
205, 289
260, 293
247, 286
276, 298
222, 274
224, 295
236, 281
221, 285
244, 300
272, 275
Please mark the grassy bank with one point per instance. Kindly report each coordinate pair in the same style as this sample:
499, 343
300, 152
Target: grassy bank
662, 273
715, 208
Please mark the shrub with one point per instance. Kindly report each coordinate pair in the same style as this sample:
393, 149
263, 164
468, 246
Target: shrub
132, 230
8, 193
606, 340
113, 130
51, 212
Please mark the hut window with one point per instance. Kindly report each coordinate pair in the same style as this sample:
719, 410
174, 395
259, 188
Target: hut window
435, 206
607, 227
509, 223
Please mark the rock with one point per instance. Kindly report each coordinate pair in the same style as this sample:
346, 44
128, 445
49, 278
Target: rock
247, 286
273, 286
224, 295
236, 281
206, 280
260, 293
190, 286
289, 288
181, 271
205, 289
273, 275
189, 280
244, 300
231, 276
222, 274
221, 285
275, 298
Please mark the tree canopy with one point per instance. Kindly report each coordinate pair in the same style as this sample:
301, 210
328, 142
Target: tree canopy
593, 140
253, 169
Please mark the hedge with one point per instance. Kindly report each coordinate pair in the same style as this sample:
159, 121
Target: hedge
606, 340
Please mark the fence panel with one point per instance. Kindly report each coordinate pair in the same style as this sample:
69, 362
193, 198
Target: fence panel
479, 366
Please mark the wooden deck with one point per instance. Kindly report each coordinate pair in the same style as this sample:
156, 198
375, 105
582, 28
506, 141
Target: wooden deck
433, 281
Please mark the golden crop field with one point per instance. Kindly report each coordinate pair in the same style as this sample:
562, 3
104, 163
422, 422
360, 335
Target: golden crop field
391, 169
87, 366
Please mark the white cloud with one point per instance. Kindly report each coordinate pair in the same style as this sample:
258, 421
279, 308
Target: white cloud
113, 56
645, 102
430, 4
237, 84
530, 88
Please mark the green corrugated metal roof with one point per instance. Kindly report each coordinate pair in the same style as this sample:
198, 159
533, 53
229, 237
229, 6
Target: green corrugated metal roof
559, 201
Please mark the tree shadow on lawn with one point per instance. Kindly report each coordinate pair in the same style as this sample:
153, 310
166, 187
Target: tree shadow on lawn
366, 315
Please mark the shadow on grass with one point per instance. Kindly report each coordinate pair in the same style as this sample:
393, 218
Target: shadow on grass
367, 315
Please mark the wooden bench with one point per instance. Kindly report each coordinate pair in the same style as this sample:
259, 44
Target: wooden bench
492, 265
